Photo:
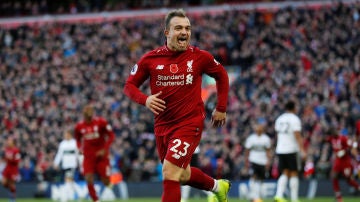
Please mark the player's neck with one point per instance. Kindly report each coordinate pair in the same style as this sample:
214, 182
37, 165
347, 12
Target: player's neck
88, 120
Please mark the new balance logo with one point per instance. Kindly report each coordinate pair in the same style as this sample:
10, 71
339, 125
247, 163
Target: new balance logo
160, 67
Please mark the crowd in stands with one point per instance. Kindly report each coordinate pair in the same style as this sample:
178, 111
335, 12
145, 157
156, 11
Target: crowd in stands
48, 73
20, 8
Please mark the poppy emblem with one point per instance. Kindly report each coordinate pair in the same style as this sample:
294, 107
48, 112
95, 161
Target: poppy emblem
174, 68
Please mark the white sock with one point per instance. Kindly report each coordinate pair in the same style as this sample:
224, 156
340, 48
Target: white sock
215, 188
185, 192
257, 189
281, 186
208, 193
294, 188
251, 193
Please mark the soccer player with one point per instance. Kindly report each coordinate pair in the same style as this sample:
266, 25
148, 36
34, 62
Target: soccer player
257, 155
11, 171
94, 136
175, 71
343, 148
67, 156
289, 147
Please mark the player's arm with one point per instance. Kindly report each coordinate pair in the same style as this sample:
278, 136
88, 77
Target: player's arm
299, 140
138, 75
214, 69
17, 157
14, 158
58, 157
269, 157
346, 148
78, 138
246, 155
108, 134
354, 148
111, 136
247, 152
79, 157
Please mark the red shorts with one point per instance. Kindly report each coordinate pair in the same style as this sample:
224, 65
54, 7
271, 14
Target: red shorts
179, 146
11, 173
343, 167
96, 165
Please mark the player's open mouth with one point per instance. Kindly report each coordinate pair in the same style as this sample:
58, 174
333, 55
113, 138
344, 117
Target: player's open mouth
182, 40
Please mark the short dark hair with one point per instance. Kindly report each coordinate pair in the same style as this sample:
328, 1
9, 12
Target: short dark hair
290, 105
174, 13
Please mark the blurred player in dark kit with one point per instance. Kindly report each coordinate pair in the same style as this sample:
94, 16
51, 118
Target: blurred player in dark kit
258, 157
290, 150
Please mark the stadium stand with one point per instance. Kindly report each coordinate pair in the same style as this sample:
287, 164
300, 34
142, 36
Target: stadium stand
40, 7
49, 71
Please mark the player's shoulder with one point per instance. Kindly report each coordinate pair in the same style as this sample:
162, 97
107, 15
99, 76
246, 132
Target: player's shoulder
289, 116
17, 149
345, 138
286, 115
162, 50
79, 124
155, 53
265, 136
201, 52
100, 119
251, 137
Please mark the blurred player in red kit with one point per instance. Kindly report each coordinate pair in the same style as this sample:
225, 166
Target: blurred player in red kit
175, 71
343, 149
94, 136
11, 172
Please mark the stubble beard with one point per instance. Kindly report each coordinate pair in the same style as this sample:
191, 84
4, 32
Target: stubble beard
180, 47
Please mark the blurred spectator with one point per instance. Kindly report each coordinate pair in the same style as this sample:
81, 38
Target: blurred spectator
27, 170
19, 8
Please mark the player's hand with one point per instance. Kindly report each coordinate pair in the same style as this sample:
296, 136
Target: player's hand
340, 153
218, 119
155, 104
267, 166
247, 164
303, 154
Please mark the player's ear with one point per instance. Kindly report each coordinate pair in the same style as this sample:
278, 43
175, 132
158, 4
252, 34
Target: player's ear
166, 32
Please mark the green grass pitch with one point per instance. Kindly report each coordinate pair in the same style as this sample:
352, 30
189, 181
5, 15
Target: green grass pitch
318, 199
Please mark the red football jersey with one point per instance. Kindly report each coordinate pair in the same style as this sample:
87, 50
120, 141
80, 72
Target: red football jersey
179, 76
12, 156
341, 146
94, 136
